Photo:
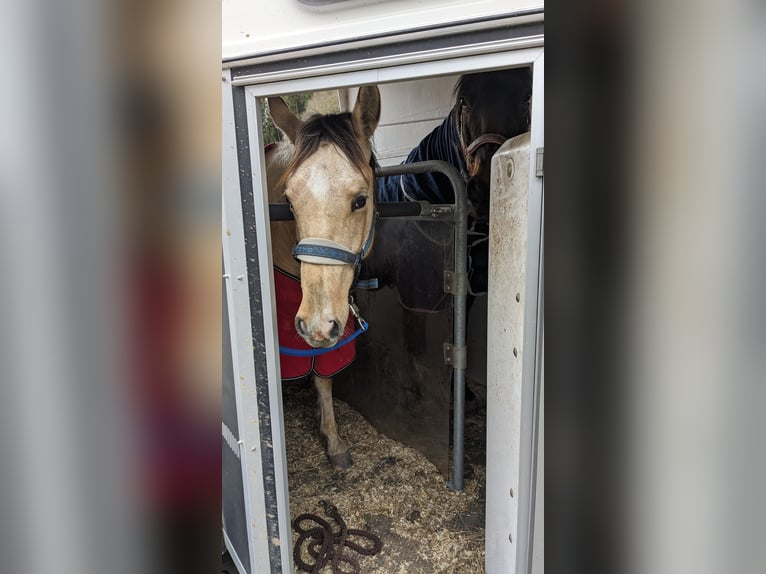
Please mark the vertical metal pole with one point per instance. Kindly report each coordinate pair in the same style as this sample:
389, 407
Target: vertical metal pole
459, 322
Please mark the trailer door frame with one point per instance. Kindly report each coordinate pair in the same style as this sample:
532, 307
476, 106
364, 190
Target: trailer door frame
250, 293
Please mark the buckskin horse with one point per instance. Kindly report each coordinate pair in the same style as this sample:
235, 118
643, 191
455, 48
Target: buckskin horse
326, 172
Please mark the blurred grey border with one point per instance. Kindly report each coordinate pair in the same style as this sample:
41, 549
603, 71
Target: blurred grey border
68, 473
654, 266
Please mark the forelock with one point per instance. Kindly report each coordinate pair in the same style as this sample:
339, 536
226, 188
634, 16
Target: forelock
334, 129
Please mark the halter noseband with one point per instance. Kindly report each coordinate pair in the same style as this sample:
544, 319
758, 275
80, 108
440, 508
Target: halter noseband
319, 251
484, 139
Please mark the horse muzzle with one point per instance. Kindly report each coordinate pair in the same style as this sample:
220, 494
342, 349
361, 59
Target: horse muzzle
322, 332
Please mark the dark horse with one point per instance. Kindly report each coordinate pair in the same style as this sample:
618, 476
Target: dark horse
490, 107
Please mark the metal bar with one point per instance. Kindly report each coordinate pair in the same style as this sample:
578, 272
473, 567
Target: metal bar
269, 386
460, 320
400, 72
421, 209
281, 211
375, 64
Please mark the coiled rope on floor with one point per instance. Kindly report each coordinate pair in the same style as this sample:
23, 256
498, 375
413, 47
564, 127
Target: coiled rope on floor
326, 546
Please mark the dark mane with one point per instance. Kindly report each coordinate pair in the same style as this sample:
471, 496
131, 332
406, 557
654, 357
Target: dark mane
335, 129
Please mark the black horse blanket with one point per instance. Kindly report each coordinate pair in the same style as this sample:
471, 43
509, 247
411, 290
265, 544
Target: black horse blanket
443, 144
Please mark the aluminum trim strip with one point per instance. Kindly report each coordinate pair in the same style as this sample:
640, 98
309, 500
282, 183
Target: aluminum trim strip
391, 60
233, 553
270, 336
240, 328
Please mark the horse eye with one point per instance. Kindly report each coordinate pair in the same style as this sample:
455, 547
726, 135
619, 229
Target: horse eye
359, 202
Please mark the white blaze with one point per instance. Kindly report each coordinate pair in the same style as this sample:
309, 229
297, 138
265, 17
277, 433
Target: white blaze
318, 183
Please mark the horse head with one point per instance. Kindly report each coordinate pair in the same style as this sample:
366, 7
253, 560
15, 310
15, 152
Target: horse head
490, 107
329, 184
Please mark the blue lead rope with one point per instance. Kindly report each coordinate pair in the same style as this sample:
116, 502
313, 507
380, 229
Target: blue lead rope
314, 352
363, 326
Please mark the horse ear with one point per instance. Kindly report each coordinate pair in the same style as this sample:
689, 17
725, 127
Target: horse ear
366, 112
284, 119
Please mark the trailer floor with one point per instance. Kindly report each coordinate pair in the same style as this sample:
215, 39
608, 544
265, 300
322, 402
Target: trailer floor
391, 490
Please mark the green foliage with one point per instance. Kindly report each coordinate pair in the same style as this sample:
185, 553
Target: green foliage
297, 104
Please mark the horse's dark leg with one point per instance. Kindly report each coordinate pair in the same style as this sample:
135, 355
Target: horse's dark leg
337, 449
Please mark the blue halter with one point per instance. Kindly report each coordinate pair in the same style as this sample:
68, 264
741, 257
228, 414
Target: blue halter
328, 252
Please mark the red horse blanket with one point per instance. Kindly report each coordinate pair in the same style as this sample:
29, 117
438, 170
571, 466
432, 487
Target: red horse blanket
289, 295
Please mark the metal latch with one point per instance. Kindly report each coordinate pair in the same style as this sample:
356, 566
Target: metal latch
456, 357
539, 162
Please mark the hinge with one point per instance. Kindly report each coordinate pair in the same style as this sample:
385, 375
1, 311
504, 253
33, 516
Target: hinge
456, 357
539, 162
455, 283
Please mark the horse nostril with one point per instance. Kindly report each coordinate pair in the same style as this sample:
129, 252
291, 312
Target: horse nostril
300, 326
335, 330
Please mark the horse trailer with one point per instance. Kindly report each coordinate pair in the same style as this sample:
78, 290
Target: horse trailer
414, 53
